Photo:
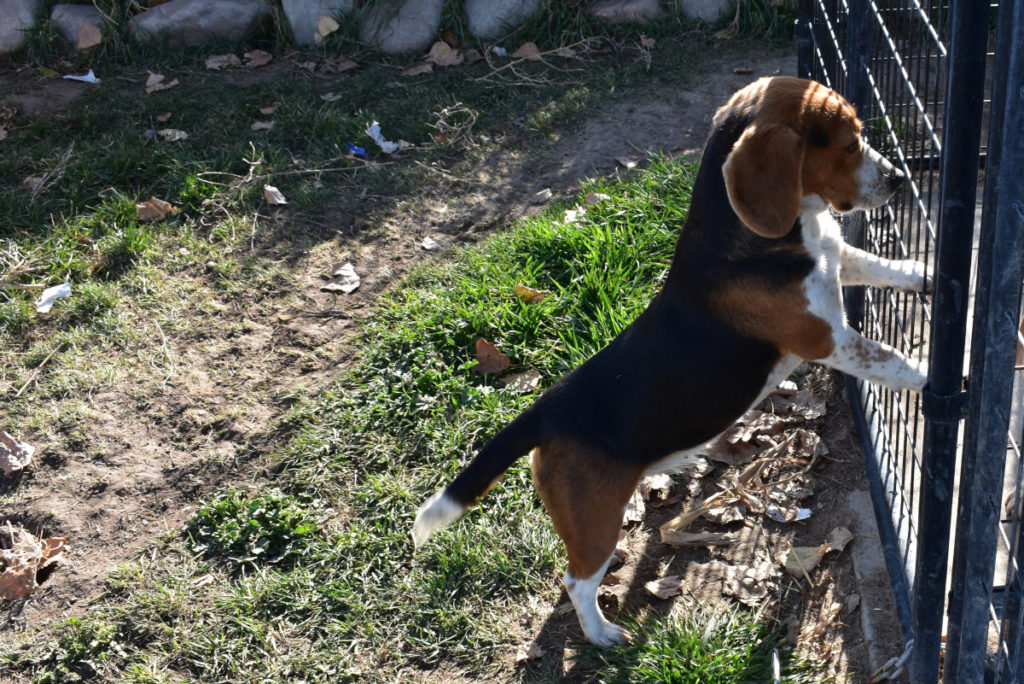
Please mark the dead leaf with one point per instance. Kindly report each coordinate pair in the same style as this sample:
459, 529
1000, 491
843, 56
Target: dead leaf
273, 196
595, 197
262, 125
172, 134
534, 652
14, 455
725, 515
683, 520
730, 454
430, 244
695, 539
489, 360
656, 486
257, 58
325, 26
3, 133
417, 69
647, 43
25, 557
528, 50
155, 209
628, 162
443, 54
800, 560
330, 97
666, 587
89, 35
635, 509
33, 184
163, 118
522, 383
450, 38
530, 295
339, 65
218, 62
785, 514
565, 52
343, 279
269, 109
471, 56
155, 83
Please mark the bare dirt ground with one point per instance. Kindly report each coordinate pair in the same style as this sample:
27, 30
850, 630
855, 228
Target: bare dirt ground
151, 449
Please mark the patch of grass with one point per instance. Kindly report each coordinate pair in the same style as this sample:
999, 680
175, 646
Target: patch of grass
720, 644
267, 528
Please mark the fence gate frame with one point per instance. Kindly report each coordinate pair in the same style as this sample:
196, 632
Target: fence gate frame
878, 54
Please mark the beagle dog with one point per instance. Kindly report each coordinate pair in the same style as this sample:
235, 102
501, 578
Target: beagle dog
753, 290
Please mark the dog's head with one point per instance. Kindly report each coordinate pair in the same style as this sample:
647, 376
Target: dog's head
801, 148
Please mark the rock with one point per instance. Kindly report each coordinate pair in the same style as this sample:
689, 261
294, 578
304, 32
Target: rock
708, 11
396, 26
191, 22
15, 17
623, 11
489, 19
69, 19
303, 15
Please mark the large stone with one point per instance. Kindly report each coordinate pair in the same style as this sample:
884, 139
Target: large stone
303, 16
708, 11
191, 22
489, 19
396, 26
15, 17
627, 11
69, 19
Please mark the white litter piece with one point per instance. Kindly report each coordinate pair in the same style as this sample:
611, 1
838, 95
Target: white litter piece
499, 51
430, 244
50, 295
87, 77
386, 146
273, 196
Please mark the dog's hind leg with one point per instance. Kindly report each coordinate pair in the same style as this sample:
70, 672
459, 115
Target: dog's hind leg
585, 494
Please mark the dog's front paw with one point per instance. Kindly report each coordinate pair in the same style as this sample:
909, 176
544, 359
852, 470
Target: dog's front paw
608, 634
918, 279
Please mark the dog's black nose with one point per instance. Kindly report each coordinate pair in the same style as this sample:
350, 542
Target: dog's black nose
895, 178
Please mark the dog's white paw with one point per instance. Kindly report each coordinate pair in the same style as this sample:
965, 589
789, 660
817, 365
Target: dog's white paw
918, 279
608, 634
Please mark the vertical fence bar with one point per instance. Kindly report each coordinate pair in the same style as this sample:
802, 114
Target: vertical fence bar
858, 52
978, 512
802, 33
959, 178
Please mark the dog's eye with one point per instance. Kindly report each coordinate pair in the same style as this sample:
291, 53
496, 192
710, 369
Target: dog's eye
852, 147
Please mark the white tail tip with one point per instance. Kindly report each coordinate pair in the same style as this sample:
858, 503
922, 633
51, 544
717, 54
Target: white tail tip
437, 513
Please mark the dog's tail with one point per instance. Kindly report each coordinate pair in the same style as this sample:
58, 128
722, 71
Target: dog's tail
477, 478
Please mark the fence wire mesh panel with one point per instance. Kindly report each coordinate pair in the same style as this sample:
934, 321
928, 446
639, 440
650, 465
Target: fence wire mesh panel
940, 88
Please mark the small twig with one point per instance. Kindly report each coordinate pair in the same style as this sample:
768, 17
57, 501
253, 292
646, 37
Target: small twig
167, 355
38, 369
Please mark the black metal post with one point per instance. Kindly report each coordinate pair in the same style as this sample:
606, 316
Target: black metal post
959, 179
978, 513
802, 32
859, 47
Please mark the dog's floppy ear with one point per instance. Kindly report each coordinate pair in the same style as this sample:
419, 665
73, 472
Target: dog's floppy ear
762, 178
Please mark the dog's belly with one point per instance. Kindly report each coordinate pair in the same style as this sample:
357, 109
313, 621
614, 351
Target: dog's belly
677, 461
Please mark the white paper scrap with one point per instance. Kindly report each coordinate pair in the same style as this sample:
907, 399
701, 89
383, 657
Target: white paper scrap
50, 295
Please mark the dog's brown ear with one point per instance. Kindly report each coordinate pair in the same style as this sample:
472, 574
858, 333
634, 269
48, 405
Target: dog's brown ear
762, 177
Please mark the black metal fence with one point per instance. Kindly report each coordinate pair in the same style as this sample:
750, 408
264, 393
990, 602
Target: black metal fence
940, 87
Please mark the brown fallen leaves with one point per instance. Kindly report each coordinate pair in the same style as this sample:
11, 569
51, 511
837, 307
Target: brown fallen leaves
155, 209
14, 455
489, 359
22, 556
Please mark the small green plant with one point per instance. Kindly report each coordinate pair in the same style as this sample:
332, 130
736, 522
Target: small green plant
270, 528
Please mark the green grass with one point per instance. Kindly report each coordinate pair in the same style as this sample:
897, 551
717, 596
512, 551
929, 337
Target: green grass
318, 580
